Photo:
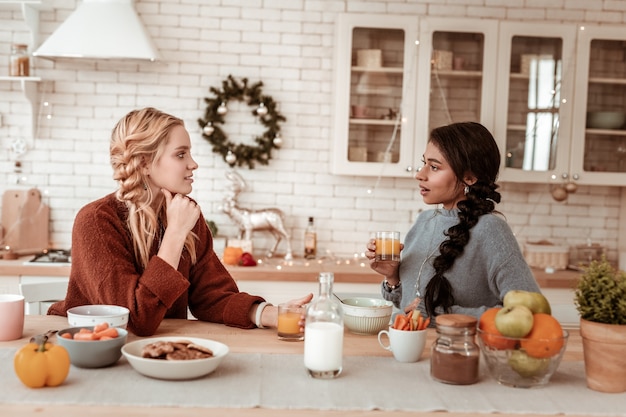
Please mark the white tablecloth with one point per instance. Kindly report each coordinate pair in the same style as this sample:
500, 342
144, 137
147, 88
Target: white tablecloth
280, 381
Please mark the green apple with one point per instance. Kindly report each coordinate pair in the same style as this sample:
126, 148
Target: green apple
527, 366
514, 321
535, 301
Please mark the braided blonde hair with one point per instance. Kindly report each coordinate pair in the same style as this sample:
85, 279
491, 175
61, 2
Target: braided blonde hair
138, 140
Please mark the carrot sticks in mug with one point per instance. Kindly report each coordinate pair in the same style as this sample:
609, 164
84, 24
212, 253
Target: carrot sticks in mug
413, 320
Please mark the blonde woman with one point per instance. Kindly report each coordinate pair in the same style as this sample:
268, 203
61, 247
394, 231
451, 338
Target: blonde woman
147, 246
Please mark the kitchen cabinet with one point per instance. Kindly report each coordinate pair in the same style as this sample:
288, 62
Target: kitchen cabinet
516, 78
456, 75
374, 115
397, 77
535, 98
549, 78
599, 151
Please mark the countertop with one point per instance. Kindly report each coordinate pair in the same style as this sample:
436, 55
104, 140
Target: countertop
299, 270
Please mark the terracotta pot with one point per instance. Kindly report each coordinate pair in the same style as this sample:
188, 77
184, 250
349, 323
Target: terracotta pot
605, 362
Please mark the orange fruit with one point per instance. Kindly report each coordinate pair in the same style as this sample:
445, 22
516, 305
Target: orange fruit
491, 336
232, 255
546, 337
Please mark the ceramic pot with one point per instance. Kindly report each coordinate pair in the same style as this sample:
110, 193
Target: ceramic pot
603, 349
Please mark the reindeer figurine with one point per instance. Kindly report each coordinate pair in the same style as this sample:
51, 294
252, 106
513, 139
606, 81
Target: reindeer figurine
270, 219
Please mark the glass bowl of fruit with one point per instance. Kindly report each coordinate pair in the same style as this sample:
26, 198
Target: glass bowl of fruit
523, 362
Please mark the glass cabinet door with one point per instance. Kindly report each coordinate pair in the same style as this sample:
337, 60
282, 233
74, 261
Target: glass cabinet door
600, 133
457, 69
375, 95
373, 105
534, 102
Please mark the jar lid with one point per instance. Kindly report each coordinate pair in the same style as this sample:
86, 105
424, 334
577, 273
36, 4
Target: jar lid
456, 320
20, 45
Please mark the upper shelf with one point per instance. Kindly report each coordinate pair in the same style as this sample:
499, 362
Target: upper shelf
386, 70
30, 13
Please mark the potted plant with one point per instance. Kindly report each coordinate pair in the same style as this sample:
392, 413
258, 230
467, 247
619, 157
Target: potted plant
600, 298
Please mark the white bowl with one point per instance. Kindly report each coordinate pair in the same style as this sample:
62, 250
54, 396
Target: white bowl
174, 369
91, 315
366, 315
606, 119
92, 353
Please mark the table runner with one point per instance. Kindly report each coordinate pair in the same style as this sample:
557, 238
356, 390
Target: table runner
280, 381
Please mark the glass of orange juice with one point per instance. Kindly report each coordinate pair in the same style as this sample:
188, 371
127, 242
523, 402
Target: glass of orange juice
387, 246
289, 316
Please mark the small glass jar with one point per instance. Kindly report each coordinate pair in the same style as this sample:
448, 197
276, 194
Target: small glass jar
19, 62
455, 355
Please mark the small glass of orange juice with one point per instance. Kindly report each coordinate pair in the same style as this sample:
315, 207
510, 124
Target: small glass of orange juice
387, 246
289, 317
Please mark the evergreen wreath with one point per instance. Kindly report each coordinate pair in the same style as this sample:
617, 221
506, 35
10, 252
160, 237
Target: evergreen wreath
264, 108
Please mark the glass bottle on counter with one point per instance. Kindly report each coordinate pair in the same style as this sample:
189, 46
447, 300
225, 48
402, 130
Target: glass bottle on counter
323, 332
19, 62
310, 240
455, 354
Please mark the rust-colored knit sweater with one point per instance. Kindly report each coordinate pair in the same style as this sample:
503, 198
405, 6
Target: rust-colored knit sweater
104, 271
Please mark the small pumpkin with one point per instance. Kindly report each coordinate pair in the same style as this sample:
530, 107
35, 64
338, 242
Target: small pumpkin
41, 363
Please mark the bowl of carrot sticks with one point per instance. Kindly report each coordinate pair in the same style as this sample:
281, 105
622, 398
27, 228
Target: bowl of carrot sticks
93, 346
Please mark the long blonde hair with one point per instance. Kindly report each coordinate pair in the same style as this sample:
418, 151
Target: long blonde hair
137, 140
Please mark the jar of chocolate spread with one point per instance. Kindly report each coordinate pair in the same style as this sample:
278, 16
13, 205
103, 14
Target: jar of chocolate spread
454, 355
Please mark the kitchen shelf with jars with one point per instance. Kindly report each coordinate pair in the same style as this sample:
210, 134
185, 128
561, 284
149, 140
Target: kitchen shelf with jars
19, 61
549, 131
383, 63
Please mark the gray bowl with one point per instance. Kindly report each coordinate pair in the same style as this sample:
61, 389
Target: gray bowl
92, 353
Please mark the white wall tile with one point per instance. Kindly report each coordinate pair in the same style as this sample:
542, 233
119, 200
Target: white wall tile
287, 44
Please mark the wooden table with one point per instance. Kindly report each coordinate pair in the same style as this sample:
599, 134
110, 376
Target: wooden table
239, 341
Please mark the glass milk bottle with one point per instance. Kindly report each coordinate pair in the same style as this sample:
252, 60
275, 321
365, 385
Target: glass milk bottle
323, 332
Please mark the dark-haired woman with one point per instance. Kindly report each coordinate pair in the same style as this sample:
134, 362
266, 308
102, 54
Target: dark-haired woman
461, 257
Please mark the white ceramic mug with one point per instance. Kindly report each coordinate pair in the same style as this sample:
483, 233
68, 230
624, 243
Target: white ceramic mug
406, 345
11, 316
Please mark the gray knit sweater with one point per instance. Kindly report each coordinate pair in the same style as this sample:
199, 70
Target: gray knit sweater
490, 265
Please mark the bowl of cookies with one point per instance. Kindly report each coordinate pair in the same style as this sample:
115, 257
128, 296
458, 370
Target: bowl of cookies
175, 357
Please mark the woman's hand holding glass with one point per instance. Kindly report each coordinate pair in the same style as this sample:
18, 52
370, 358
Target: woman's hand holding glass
269, 317
389, 269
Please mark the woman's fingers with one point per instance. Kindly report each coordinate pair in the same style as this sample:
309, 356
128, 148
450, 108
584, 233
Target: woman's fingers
181, 210
302, 301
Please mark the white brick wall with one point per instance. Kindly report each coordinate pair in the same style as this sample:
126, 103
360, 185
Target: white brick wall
287, 44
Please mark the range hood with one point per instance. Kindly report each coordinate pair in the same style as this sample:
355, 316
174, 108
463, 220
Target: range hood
100, 29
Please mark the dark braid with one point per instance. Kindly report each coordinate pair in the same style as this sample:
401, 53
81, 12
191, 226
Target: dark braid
469, 148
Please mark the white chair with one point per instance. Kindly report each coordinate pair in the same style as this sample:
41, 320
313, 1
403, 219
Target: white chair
39, 296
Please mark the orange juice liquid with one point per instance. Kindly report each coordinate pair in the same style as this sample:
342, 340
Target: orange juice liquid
387, 250
288, 326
